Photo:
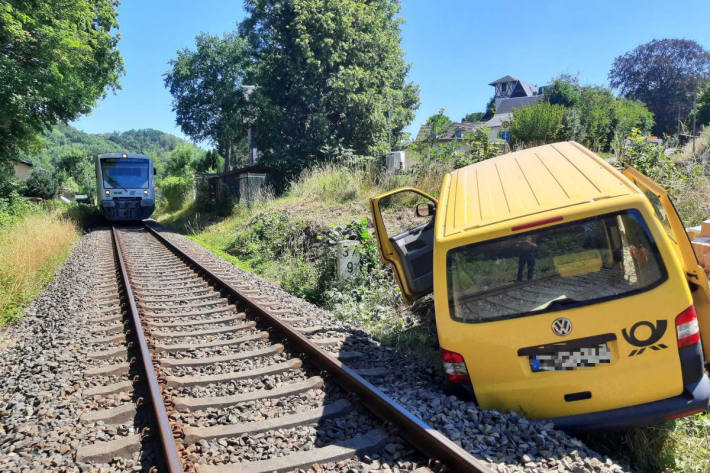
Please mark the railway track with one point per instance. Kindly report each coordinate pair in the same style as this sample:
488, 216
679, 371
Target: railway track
222, 378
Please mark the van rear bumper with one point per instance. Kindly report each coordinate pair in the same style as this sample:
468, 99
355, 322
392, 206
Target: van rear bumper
695, 396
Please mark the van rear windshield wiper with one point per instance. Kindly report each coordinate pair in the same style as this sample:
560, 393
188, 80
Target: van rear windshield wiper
560, 301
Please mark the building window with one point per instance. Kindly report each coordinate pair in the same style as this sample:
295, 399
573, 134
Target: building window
459, 134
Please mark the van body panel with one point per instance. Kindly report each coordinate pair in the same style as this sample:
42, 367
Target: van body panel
528, 182
695, 274
502, 379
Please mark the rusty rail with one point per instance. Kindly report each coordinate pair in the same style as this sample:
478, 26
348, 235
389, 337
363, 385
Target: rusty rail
170, 452
424, 437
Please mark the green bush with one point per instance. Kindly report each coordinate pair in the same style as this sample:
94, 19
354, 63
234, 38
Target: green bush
537, 124
175, 191
83, 215
655, 162
13, 208
41, 183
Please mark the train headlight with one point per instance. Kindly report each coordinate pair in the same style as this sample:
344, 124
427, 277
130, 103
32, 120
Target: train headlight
107, 192
145, 191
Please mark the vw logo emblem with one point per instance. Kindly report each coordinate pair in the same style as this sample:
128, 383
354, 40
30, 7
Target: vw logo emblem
561, 326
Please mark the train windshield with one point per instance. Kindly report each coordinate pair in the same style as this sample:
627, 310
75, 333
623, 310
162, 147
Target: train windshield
128, 173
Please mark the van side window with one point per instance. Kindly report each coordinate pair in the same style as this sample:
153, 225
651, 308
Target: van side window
660, 213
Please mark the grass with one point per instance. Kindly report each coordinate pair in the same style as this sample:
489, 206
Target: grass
31, 250
680, 446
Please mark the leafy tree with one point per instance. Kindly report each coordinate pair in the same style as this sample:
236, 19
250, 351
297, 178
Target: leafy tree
536, 124
330, 73
703, 106
211, 161
438, 123
490, 108
179, 162
78, 167
206, 85
663, 74
564, 90
474, 116
41, 183
57, 57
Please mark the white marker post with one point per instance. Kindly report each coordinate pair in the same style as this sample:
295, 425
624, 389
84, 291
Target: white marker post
348, 259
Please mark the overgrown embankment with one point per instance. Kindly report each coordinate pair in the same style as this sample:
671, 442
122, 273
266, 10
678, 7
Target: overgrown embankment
290, 240
34, 242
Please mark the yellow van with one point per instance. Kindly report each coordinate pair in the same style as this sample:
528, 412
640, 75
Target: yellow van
563, 288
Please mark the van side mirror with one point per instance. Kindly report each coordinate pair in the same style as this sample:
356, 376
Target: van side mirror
155, 172
426, 209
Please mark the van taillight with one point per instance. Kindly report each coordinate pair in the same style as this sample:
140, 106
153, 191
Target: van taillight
455, 367
686, 325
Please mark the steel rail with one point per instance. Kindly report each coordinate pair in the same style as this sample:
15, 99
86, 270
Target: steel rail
424, 437
170, 451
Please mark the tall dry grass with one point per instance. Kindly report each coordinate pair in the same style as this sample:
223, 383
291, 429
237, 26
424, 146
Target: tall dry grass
30, 252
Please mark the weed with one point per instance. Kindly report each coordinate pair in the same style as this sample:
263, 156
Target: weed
30, 252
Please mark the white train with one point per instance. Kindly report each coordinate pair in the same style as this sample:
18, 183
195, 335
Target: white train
125, 186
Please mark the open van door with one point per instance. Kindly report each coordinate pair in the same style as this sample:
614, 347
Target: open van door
694, 273
404, 226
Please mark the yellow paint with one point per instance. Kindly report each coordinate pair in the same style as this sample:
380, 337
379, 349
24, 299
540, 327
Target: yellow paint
485, 201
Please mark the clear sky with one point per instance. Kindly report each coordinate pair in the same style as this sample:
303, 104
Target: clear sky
456, 47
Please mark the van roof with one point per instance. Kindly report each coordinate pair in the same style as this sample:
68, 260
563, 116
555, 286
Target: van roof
529, 182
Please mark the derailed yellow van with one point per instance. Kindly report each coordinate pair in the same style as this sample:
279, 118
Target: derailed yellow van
563, 288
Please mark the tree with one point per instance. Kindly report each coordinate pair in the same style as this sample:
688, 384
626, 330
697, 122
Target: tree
564, 90
78, 167
41, 183
474, 116
703, 106
537, 124
57, 57
206, 85
329, 73
179, 162
663, 74
438, 123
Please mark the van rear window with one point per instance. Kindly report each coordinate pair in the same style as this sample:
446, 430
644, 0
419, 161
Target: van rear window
554, 268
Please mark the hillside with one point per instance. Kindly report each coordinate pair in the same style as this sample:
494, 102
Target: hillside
64, 138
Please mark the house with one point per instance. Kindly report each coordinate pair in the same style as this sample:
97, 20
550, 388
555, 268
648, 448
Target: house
510, 93
510, 87
22, 168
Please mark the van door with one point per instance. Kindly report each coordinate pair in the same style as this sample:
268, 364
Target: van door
404, 226
695, 274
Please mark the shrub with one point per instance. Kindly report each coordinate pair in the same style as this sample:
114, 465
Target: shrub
83, 215
328, 183
13, 208
41, 183
175, 191
537, 124
653, 161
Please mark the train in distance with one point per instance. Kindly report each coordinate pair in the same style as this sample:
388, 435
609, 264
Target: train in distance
125, 186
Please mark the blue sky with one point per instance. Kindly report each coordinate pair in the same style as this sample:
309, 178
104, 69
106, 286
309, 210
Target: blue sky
456, 47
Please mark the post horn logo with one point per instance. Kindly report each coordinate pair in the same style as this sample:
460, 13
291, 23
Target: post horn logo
657, 332
561, 326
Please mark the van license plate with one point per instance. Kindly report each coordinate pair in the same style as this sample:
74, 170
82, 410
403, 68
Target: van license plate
571, 359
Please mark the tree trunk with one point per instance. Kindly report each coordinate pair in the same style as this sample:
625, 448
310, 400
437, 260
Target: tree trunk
228, 158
